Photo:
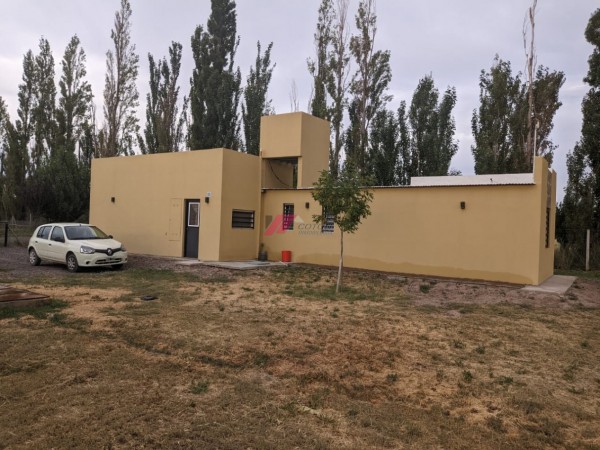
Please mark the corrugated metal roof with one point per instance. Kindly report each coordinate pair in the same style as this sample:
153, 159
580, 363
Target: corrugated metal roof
474, 180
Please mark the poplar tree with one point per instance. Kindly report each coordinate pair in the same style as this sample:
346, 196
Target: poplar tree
369, 84
120, 91
255, 103
164, 130
44, 109
431, 129
75, 102
384, 148
17, 137
215, 84
318, 68
581, 205
500, 125
4, 118
338, 81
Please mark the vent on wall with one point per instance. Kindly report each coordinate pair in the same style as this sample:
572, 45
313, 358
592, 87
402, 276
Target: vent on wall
242, 219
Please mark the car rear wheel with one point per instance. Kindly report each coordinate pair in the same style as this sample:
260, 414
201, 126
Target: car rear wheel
72, 264
34, 259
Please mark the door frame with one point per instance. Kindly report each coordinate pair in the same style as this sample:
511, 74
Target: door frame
186, 218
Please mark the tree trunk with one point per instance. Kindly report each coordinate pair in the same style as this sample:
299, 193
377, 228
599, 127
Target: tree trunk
531, 57
341, 265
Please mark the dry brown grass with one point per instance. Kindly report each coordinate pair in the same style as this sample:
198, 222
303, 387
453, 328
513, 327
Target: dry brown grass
272, 359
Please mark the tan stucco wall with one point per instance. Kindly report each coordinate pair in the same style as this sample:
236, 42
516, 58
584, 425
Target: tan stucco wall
241, 190
315, 150
424, 231
281, 135
150, 191
293, 135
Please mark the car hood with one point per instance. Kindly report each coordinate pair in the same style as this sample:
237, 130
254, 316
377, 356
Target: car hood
100, 244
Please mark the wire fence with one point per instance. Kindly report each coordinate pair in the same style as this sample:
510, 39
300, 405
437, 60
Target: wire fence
16, 233
573, 255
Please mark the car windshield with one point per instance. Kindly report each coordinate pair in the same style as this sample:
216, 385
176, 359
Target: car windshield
79, 232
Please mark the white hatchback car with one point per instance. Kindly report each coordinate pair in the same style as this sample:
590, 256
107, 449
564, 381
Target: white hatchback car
76, 245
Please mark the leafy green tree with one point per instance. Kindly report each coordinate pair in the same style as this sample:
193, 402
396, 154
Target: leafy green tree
255, 103
369, 84
492, 125
500, 125
26, 97
4, 118
75, 102
60, 187
44, 110
121, 97
318, 68
431, 127
384, 148
164, 131
404, 150
17, 137
344, 201
338, 81
581, 205
215, 91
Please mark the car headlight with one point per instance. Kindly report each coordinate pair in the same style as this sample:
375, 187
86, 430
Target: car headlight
86, 250
123, 249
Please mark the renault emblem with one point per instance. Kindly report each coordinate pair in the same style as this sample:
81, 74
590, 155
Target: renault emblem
109, 252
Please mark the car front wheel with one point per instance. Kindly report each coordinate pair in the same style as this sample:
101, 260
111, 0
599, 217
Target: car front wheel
72, 265
34, 259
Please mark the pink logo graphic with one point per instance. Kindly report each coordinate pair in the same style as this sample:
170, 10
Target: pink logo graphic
281, 224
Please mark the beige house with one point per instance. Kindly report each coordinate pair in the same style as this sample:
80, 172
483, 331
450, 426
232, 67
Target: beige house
219, 205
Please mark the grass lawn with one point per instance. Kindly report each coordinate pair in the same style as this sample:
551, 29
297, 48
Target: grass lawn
273, 360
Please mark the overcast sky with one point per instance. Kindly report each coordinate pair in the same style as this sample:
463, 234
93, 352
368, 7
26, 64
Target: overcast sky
453, 41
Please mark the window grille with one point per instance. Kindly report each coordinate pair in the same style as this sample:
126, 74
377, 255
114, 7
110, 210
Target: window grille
242, 219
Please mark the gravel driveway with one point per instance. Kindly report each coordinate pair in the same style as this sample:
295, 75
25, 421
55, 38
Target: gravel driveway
14, 263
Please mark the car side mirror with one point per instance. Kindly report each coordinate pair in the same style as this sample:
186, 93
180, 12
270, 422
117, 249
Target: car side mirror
110, 236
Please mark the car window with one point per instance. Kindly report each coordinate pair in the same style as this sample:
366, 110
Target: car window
84, 232
43, 232
57, 234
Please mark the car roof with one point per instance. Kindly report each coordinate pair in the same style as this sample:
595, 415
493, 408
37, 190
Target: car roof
65, 224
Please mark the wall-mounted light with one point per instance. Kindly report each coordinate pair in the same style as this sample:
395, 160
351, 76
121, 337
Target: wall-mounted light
307, 205
112, 199
208, 196
463, 205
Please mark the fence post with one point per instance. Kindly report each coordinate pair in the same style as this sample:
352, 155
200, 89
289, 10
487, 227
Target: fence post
587, 250
6, 234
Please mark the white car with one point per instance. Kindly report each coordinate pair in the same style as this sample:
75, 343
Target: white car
76, 245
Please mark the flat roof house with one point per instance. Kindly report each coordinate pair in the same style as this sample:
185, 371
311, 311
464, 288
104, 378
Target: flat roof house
219, 205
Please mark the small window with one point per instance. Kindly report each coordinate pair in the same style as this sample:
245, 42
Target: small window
44, 232
288, 216
58, 235
327, 226
194, 214
242, 219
